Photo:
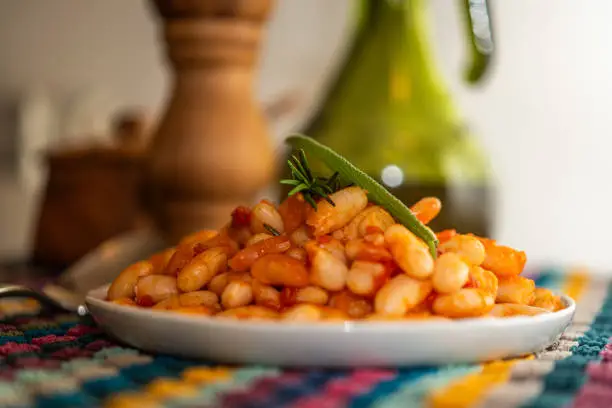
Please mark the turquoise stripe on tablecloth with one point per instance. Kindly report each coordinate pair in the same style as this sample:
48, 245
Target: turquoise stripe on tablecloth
568, 375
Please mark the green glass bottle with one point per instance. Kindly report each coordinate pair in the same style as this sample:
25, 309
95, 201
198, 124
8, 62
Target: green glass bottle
389, 113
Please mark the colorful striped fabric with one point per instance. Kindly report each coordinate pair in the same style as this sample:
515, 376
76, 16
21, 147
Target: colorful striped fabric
61, 361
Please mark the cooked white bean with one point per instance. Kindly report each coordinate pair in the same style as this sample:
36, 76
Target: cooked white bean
124, 284
200, 297
515, 289
265, 213
365, 278
236, 294
401, 294
257, 238
327, 271
469, 248
302, 313
201, 269
312, 294
468, 302
327, 218
450, 273
152, 289
409, 252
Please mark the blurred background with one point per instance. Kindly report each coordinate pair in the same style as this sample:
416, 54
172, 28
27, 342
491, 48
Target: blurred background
68, 67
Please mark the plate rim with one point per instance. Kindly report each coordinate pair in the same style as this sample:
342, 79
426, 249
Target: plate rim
94, 298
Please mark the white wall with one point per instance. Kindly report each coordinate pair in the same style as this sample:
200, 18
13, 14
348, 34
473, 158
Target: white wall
543, 115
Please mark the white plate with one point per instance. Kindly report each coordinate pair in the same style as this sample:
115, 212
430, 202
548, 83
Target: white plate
329, 344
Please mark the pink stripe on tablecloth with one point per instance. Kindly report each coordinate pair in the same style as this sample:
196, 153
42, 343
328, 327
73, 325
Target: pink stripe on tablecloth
606, 353
338, 391
597, 390
260, 390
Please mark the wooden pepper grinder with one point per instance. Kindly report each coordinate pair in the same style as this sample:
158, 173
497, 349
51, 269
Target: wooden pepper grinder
212, 149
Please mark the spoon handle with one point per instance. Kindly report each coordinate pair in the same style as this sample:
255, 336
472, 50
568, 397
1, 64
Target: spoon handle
20, 291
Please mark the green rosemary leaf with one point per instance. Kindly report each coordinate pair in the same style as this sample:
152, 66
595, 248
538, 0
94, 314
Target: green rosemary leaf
271, 230
300, 166
322, 194
329, 200
304, 181
319, 191
334, 182
290, 182
297, 189
310, 200
327, 188
304, 163
323, 183
296, 173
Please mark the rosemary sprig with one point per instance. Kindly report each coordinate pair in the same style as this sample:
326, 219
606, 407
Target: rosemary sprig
376, 192
271, 230
310, 186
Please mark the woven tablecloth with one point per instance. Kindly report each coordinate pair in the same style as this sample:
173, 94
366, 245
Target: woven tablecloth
62, 361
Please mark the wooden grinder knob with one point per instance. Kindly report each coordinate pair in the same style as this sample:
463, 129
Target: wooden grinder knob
212, 149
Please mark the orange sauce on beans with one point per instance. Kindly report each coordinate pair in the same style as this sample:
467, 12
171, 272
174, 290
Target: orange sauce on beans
446, 235
182, 256
372, 229
351, 304
271, 305
221, 240
380, 280
241, 217
145, 301
374, 253
160, 260
471, 283
288, 297
245, 258
392, 267
280, 270
428, 302
324, 239
293, 213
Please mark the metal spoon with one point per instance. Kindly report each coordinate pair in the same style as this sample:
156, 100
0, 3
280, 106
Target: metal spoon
52, 297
